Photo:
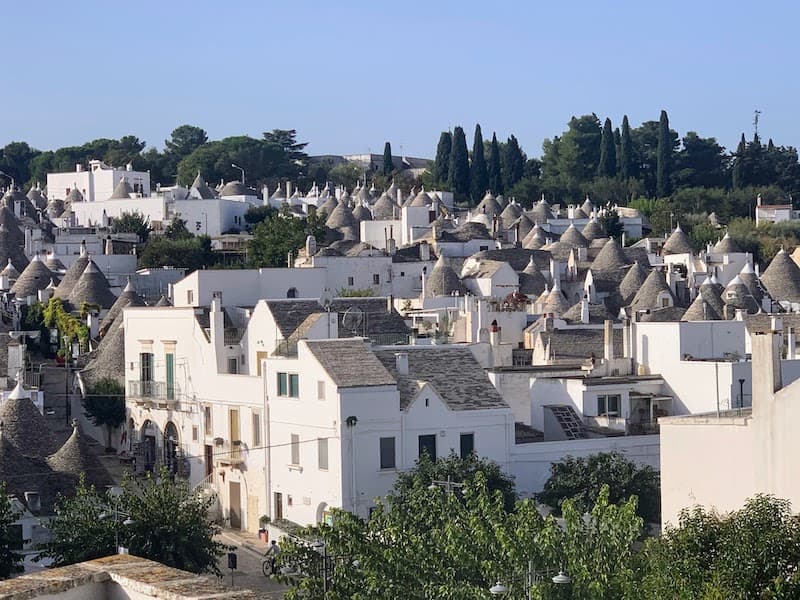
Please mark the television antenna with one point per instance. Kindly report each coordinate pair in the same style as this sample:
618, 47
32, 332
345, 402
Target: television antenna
755, 121
352, 319
325, 300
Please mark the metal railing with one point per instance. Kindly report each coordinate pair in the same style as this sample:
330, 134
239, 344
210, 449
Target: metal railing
285, 348
155, 390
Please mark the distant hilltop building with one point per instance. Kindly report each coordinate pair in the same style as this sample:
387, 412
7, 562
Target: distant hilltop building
374, 162
98, 182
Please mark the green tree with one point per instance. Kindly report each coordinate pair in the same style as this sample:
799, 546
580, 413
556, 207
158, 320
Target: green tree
749, 553
581, 480
346, 174
512, 161
700, 163
664, 164
170, 525
184, 140
645, 143
571, 160
176, 230
280, 235
257, 214
190, 254
10, 559
16, 161
458, 470
388, 164
611, 224
495, 172
458, 173
478, 176
104, 405
286, 139
132, 222
626, 165
441, 165
607, 167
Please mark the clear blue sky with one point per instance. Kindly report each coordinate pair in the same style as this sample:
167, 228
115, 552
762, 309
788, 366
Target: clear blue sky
351, 75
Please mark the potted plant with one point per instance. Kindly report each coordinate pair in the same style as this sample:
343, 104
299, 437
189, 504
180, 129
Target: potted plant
263, 521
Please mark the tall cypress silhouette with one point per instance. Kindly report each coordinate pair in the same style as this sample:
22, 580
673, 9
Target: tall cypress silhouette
458, 176
626, 151
478, 177
607, 167
663, 157
441, 165
495, 172
388, 165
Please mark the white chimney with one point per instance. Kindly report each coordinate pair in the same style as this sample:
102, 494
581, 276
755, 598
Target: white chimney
495, 333
217, 326
608, 340
424, 251
401, 360
78, 168
311, 246
766, 371
791, 342
93, 323
585, 310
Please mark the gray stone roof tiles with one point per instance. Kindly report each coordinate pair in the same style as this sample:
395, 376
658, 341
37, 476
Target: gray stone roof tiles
443, 280
350, 363
782, 278
678, 243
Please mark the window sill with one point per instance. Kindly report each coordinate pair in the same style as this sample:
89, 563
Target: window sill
297, 468
389, 470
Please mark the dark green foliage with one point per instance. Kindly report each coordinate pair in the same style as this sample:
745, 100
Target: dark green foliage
738, 164
626, 165
10, 559
176, 230
607, 167
104, 405
581, 479
512, 161
750, 553
184, 140
132, 223
458, 470
478, 175
346, 174
191, 254
700, 163
292, 151
458, 174
281, 234
664, 157
441, 165
388, 165
257, 214
170, 525
611, 224
494, 171
16, 161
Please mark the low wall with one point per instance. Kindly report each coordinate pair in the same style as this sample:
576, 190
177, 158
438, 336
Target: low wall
530, 463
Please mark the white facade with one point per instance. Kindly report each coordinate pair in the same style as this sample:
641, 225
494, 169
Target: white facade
97, 183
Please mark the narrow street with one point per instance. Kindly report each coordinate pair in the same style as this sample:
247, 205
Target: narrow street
248, 575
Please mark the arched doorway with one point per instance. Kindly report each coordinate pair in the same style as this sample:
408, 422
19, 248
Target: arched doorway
148, 441
323, 514
171, 445
292, 292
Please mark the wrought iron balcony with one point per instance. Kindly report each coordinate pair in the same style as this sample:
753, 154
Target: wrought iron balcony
153, 391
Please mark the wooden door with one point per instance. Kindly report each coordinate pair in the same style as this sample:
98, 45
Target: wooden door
209, 459
278, 505
235, 501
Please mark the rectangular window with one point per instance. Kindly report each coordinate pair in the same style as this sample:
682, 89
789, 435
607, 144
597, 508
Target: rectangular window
233, 366
283, 384
320, 390
146, 367
322, 453
207, 422
195, 433
295, 449
189, 297
608, 405
294, 385
170, 360
350, 281
376, 279
256, 429
234, 434
427, 445
467, 444
387, 453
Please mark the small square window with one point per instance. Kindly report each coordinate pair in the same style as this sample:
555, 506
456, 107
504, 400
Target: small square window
376, 279
350, 281
467, 444
387, 453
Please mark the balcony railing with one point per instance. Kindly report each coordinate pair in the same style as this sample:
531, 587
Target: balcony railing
156, 391
229, 453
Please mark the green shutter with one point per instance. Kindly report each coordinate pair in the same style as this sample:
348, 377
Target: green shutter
170, 376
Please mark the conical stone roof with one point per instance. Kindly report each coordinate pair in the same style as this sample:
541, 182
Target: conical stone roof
653, 288
541, 212
488, 205
750, 279
11, 250
556, 302
55, 208
340, 217
510, 214
610, 257
738, 296
593, 231
53, 263
71, 277
10, 271
443, 281
678, 243
24, 426
37, 198
361, 213
714, 308
421, 199
10, 222
383, 209
328, 206
531, 281
535, 238
525, 226
122, 191
574, 238
726, 246
587, 207
92, 287
36, 276
201, 188
163, 301
128, 297
630, 284
782, 278
75, 458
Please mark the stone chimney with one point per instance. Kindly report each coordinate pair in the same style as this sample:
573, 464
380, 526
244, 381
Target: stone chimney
766, 365
424, 251
791, 342
401, 360
217, 326
495, 333
608, 340
584, 310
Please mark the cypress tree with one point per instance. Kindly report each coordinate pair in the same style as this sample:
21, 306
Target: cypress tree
663, 157
478, 177
495, 173
617, 146
626, 150
738, 170
607, 167
388, 165
513, 163
458, 176
441, 165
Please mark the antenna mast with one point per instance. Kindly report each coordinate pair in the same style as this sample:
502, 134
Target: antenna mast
755, 121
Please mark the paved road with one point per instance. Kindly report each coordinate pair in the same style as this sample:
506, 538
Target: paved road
249, 575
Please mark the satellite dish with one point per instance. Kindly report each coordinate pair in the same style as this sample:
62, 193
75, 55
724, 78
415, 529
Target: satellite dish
326, 299
352, 319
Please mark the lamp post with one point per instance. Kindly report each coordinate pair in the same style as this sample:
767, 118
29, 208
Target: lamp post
448, 486
328, 564
241, 169
741, 393
114, 511
532, 578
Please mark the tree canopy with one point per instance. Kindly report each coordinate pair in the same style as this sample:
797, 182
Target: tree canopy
280, 234
104, 404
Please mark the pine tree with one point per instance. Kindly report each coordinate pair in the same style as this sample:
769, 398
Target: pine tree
478, 177
458, 175
513, 163
388, 165
738, 167
664, 157
441, 165
495, 173
626, 151
607, 167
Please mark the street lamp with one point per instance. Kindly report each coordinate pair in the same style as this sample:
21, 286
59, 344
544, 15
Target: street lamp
448, 486
241, 169
329, 564
532, 578
115, 511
